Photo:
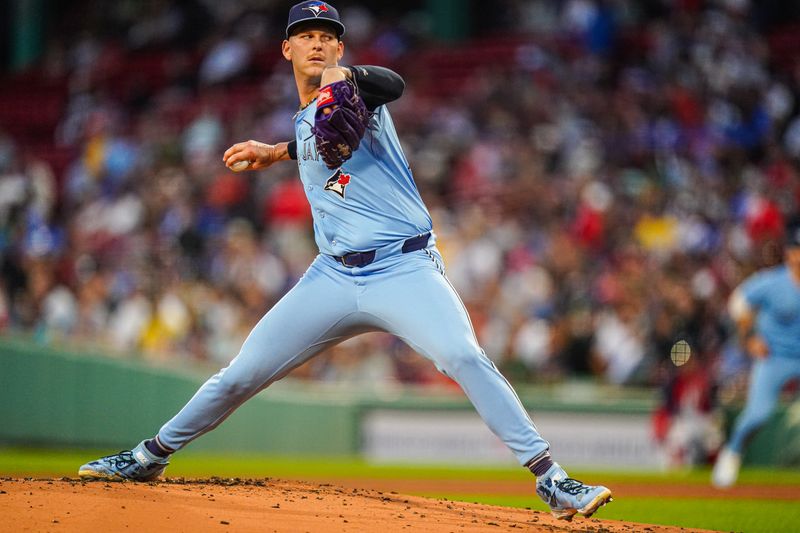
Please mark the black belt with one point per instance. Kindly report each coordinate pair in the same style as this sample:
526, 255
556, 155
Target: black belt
362, 259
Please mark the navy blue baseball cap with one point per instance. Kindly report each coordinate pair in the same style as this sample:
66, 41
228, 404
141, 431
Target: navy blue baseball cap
311, 11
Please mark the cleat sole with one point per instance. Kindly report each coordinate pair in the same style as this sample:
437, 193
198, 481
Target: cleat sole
564, 514
599, 501
92, 475
89, 475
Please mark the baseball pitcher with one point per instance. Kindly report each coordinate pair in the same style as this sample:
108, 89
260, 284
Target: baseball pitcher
378, 268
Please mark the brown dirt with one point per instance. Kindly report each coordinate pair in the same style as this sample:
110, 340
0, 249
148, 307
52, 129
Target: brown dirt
68, 505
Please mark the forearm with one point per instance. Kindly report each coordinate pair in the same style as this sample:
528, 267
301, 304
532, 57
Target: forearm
283, 152
741, 313
745, 318
272, 153
377, 85
255, 155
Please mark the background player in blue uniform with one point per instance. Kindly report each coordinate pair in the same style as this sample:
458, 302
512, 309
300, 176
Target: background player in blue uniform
766, 308
378, 270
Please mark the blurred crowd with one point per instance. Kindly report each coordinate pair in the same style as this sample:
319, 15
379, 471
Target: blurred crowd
599, 184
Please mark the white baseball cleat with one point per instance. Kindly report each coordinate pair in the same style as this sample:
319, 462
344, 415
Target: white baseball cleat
134, 465
567, 496
726, 469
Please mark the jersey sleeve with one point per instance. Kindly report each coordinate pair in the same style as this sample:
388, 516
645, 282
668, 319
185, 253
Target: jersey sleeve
755, 288
377, 85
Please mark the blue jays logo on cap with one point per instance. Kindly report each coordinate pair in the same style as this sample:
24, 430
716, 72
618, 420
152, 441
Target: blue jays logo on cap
315, 11
317, 8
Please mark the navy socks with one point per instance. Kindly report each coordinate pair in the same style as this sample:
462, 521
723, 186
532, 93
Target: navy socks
540, 464
156, 448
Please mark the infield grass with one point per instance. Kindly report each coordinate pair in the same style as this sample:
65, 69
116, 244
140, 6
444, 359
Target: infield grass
749, 515
760, 516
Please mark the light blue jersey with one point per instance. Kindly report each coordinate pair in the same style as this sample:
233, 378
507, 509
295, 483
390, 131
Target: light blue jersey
775, 297
369, 202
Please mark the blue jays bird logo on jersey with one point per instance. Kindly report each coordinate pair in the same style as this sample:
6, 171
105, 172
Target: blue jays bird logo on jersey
316, 9
338, 182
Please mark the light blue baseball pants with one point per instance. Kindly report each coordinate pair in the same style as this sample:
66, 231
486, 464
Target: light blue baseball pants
407, 295
767, 378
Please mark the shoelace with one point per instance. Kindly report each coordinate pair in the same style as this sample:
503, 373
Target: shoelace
571, 486
122, 460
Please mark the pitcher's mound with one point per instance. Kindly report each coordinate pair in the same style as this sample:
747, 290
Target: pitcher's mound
175, 504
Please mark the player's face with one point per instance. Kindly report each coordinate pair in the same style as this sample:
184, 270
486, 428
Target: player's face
311, 49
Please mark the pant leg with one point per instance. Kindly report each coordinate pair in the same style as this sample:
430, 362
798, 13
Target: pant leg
767, 378
415, 301
317, 313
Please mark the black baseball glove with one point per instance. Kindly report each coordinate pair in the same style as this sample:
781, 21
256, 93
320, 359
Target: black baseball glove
340, 122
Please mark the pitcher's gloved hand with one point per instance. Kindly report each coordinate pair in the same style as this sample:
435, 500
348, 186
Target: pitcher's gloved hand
340, 122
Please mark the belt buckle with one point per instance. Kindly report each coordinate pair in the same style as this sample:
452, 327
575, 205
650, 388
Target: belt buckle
356, 257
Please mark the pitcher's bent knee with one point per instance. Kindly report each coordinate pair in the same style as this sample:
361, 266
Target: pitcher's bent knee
455, 361
754, 418
238, 384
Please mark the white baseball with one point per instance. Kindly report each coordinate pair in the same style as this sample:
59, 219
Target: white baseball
240, 165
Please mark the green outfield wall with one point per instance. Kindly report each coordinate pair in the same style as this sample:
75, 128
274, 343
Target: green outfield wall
55, 397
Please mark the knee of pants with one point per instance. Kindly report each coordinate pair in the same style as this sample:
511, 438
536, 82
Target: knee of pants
453, 360
754, 417
235, 383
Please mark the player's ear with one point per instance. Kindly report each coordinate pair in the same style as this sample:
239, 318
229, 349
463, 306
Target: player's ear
340, 51
286, 50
